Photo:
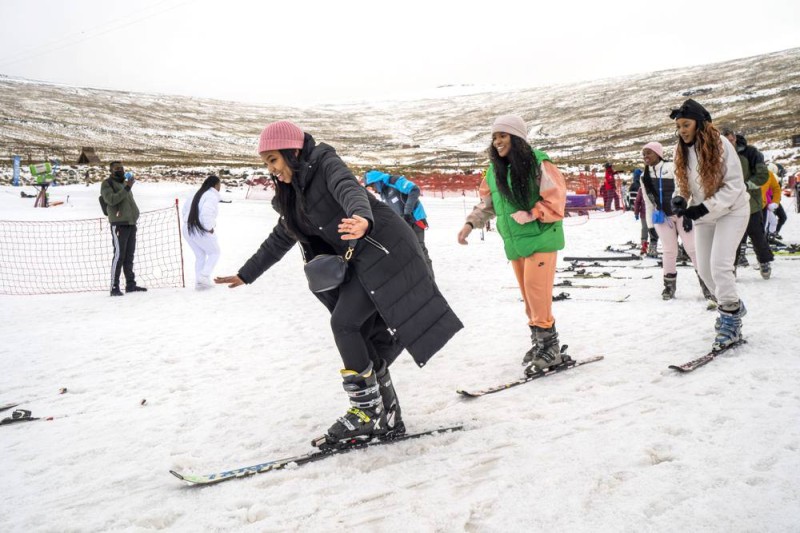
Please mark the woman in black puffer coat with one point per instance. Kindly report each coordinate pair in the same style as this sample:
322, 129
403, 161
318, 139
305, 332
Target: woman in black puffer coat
388, 301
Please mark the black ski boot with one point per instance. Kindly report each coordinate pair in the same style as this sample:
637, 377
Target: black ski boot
548, 352
670, 285
365, 419
394, 420
711, 300
652, 248
741, 258
534, 348
683, 257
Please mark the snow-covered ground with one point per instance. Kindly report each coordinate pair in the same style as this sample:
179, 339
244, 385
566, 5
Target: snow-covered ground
238, 377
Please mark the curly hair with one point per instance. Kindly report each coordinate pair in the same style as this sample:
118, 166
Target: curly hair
524, 170
709, 160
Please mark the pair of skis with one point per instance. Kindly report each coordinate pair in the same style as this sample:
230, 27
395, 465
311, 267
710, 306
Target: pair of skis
305, 458
320, 454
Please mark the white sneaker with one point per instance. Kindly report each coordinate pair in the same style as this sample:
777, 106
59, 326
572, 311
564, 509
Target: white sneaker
203, 284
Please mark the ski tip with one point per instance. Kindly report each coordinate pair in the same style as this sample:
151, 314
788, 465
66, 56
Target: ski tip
177, 475
678, 368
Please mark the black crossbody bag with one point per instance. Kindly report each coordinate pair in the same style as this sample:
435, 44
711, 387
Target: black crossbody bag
327, 271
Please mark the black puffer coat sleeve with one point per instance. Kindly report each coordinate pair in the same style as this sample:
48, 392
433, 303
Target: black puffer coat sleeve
270, 252
346, 190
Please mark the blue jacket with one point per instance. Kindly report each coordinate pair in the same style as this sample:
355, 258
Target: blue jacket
401, 194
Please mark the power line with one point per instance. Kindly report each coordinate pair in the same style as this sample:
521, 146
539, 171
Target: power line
85, 35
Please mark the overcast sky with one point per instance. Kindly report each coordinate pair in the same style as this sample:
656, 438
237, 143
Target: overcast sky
302, 52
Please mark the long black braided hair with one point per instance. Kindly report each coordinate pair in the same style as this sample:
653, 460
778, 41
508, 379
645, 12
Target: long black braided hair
193, 225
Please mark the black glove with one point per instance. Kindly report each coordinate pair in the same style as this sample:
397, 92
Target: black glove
678, 204
696, 211
653, 234
687, 224
409, 218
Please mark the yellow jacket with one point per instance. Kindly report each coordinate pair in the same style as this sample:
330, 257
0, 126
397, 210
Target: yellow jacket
771, 184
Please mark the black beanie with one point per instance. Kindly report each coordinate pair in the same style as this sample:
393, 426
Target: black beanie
693, 110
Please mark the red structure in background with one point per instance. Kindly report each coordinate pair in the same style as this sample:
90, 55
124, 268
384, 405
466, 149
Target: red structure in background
583, 183
441, 184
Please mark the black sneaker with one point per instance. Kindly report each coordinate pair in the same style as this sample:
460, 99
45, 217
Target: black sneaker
116, 292
135, 288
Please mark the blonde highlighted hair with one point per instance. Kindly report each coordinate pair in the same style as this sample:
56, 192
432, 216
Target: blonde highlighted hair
709, 161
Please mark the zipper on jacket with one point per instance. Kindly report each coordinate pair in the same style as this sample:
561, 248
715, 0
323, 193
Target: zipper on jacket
376, 244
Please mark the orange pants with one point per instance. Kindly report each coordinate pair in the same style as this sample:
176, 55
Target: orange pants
535, 275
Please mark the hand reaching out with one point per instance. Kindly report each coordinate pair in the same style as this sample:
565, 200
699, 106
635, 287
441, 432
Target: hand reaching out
523, 217
232, 281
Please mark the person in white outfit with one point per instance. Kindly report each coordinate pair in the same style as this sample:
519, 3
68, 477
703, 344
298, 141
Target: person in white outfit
658, 183
712, 194
199, 220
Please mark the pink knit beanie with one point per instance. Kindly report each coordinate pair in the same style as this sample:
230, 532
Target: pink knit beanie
656, 147
280, 135
511, 124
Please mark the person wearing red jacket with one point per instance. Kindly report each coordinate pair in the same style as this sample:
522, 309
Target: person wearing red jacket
610, 189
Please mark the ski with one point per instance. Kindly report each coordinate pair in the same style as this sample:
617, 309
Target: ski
23, 415
7, 406
705, 359
626, 251
297, 460
566, 296
660, 265
590, 276
629, 246
19, 415
629, 257
583, 264
568, 283
581, 267
497, 388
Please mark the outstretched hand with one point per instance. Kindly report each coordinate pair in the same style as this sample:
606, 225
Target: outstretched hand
353, 228
232, 281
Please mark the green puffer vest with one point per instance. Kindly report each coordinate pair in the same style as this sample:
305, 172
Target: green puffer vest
522, 240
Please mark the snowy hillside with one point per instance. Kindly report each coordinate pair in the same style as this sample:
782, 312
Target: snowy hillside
237, 377
579, 124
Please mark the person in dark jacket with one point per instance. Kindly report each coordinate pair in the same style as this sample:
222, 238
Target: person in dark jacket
324, 208
123, 213
756, 174
633, 190
402, 195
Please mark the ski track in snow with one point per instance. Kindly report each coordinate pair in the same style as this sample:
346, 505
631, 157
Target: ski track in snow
238, 377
